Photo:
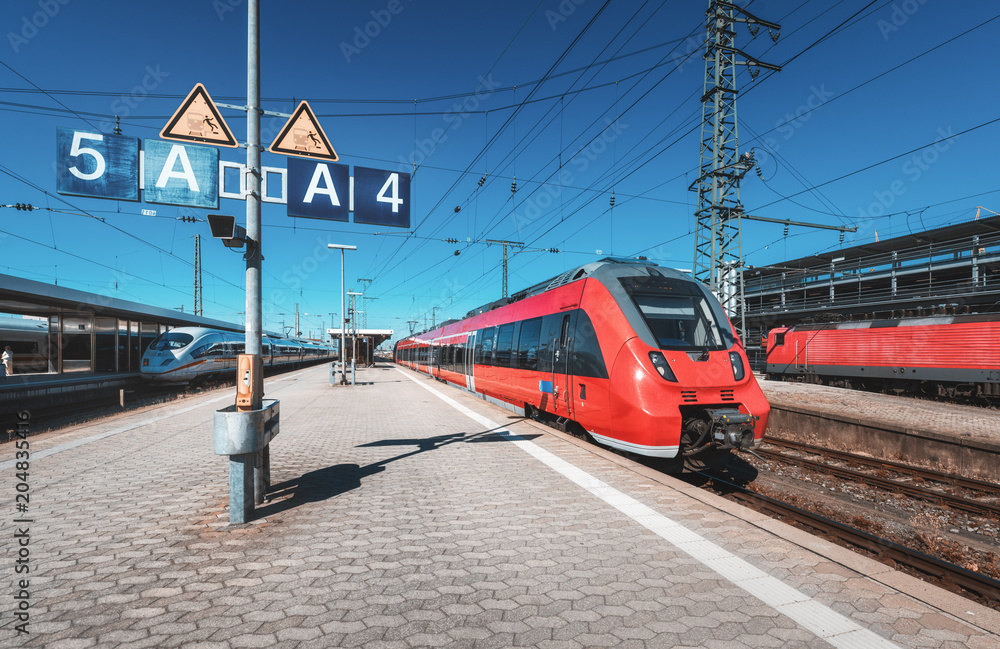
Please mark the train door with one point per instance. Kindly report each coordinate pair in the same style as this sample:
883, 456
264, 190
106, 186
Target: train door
470, 346
561, 351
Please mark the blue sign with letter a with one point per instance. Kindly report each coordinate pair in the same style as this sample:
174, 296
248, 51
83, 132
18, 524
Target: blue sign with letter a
97, 165
181, 174
318, 190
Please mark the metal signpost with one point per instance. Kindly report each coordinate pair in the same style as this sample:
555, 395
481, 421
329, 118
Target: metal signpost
343, 308
185, 172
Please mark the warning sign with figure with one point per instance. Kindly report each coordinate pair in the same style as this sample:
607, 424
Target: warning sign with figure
302, 136
198, 120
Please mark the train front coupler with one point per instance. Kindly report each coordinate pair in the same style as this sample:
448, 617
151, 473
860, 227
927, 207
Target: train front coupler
720, 429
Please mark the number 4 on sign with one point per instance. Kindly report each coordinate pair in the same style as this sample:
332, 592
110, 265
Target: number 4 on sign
391, 183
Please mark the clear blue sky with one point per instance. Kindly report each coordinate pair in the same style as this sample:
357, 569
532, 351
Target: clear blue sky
885, 90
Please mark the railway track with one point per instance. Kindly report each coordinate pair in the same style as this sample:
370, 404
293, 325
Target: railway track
947, 575
977, 503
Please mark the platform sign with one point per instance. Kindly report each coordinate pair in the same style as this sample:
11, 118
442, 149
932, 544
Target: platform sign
381, 197
198, 120
318, 190
97, 165
181, 174
303, 136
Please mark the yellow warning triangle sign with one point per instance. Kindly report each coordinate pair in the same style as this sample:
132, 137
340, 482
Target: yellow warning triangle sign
198, 120
303, 136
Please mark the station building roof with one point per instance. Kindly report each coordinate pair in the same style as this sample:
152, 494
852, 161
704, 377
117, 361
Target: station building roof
28, 297
923, 240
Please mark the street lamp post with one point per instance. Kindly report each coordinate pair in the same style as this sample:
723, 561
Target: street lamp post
354, 331
343, 307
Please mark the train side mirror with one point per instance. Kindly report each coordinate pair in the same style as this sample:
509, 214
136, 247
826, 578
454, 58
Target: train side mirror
224, 227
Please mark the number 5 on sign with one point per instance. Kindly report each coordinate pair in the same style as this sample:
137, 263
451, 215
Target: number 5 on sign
381, 197
99, 165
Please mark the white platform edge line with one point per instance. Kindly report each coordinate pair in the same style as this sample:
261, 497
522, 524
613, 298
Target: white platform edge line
802, 611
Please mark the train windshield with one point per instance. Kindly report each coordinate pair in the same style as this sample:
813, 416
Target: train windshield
171, 340
679, 315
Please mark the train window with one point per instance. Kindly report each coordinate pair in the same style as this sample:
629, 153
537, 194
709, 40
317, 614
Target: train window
588, 360
210, 345
171, 340
679, 314
679, 322
564, 331
460, 358
779, 339
486, 355
505, 341
527, 347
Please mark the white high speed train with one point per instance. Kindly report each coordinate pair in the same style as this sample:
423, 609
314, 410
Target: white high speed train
184, 354
28, 341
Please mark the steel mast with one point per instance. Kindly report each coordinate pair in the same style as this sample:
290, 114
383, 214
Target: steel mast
718, 250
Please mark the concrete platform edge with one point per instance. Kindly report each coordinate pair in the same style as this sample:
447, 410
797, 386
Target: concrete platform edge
945, 601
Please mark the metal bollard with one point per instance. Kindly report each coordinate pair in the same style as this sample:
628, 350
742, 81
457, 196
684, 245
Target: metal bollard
244, 437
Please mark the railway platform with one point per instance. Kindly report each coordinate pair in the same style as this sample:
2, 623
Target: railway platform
948, 437
405, 513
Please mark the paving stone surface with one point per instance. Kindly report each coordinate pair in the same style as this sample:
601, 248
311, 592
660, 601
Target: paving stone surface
396, 521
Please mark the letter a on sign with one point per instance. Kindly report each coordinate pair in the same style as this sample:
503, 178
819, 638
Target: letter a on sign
198, 120
302, 136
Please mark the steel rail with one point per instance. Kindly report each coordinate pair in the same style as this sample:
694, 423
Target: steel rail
928, 474
921, 493
948, 575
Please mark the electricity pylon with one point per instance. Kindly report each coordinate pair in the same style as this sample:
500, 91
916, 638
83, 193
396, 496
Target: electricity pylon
718, 250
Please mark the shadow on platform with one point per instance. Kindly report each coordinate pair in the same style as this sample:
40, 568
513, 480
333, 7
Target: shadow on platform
331, 481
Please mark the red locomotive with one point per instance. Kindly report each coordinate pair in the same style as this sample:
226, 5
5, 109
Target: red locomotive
642, 358
941, 355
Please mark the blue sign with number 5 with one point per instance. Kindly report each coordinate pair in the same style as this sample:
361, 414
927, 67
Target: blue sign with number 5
97, 164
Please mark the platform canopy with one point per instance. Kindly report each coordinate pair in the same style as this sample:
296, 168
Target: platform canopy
378, 336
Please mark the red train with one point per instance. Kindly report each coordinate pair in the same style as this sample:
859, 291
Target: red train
946, 356
642, 358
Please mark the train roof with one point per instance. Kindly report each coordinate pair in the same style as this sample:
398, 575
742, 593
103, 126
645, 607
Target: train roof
905, 321
23, 324
603, 269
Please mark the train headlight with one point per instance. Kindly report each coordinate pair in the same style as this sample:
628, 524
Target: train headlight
662, 367
738, 370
